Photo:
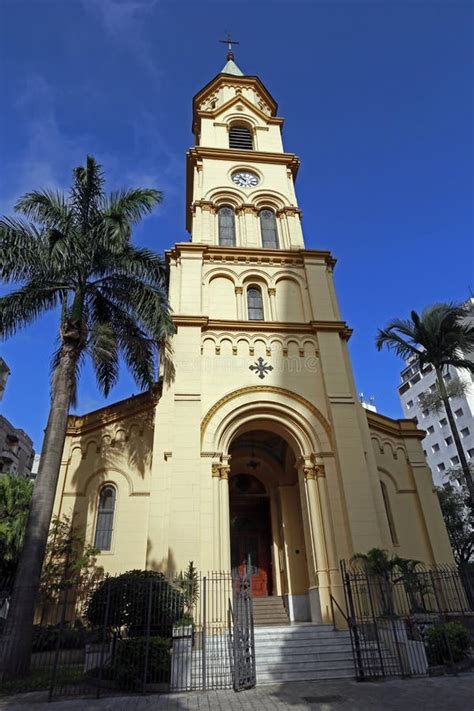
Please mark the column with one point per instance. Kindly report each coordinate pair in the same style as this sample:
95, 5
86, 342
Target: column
216, 554
271, 296
239, 297
319, 590
224, 518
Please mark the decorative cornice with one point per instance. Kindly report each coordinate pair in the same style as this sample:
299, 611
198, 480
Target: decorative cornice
199, 152
208, 324
239, 81
397, 428
79, 425
248, 255
265, 389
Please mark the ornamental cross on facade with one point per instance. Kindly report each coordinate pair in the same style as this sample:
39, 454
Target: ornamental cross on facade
261, 368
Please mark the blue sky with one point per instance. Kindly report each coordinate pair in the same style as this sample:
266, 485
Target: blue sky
377, 98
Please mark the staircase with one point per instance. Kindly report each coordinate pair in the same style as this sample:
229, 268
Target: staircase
269, 611
302, 652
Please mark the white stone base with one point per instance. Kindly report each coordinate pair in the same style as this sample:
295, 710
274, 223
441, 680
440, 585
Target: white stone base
298, 608
315, 606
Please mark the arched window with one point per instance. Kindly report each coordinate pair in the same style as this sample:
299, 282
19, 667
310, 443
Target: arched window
255, 303
388, 512
240, 137
105, 519
268, 227
226, 227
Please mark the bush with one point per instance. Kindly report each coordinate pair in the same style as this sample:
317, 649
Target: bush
129, 662
123, 602
443, 638
45, 637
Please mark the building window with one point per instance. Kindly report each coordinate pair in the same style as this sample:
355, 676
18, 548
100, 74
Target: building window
433, 388
459, 412
454, 460
470, 453
465, 432
435, 447
449, 441
226, 227
255, 303
416, 379
441, 467
388, 512
447, 377
425, 413
105, 519
268, 228
430, 429
240, 138
409, 404
443, 422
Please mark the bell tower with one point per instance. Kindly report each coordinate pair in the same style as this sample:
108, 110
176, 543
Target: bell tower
238, 169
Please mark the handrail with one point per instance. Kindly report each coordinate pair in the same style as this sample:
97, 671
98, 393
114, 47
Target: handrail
333, 600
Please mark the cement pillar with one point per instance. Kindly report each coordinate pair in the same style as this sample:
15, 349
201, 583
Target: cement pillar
224, 517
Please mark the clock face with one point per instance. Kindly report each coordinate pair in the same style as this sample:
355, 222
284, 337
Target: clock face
245, 179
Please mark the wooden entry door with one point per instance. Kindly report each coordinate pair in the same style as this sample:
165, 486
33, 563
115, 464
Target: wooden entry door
251, 540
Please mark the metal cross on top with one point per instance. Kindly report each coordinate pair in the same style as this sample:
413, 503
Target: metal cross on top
229, 42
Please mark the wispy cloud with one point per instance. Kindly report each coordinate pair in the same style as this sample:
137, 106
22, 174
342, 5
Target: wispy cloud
48, 154
126, 21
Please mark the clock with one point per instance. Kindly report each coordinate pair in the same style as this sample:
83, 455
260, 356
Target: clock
245, 179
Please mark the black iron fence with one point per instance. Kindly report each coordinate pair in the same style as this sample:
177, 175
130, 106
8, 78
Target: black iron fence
137, 633
409, 623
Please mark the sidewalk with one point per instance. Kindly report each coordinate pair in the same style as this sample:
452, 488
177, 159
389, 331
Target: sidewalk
427, 694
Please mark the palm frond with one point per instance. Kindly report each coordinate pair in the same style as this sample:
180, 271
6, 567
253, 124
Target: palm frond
20, 249
390, 339
47, 207
22, 307
104, 353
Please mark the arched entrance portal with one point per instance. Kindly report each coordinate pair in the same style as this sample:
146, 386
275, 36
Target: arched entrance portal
266, 522
250, 531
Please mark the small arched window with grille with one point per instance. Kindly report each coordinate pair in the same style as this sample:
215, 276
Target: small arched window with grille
389, 514
105, 518
226, 227
254, 303
240, 137
268, 228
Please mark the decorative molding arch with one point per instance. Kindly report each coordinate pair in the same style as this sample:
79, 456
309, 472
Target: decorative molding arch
223, 195
106, 473
254, 274
270, 199
391, 478
313, 436
220, 272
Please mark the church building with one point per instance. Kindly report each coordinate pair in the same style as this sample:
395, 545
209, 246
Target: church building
258, 449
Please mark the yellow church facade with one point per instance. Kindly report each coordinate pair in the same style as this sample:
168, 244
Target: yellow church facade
258, 449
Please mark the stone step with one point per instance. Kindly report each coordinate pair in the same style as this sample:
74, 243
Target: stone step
295, 653
319, 675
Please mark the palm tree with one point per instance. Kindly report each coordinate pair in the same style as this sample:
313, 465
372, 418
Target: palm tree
77, 257
439, 337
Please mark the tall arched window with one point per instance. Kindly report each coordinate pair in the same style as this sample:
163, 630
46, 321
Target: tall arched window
240, 137
254, 303
105, 519
268, 228
388, 512
226, 227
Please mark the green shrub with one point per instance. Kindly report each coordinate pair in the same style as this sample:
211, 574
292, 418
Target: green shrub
442, 638
123, 602
45, 637
130, 657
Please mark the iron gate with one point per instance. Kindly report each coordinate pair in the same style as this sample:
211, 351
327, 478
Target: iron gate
405, 624
140, 633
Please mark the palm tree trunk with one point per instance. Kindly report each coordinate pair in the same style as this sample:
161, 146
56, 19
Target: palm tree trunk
17, 636
457, 440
